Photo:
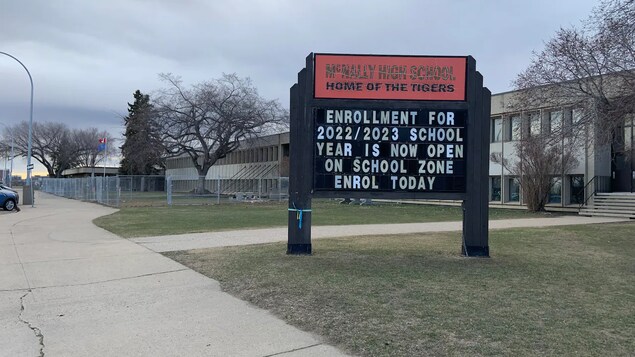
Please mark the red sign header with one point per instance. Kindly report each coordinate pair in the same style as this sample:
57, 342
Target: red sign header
390, 77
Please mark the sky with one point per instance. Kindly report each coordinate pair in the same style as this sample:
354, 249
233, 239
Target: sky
88, 57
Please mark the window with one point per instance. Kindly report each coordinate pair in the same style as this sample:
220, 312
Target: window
515, 127
577, 189
514, 190
495, 193
629, 125
534, 124
576, 116
497, 130
555, 194
555, 121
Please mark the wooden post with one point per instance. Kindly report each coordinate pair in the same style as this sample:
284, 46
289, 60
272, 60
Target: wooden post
475, 205
300, 164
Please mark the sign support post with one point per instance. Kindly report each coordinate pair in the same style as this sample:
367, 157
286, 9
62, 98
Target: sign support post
476, 205
300, 164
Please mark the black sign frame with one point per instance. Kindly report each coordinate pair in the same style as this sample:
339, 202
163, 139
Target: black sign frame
303, 106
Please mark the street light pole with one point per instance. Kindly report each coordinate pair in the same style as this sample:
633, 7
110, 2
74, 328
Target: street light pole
28, 155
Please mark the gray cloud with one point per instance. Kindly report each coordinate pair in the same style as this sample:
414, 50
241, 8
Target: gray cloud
87, 57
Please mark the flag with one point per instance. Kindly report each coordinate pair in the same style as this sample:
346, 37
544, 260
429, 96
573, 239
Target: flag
102, 144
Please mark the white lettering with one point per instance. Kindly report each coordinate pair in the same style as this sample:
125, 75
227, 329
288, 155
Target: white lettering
403, 150
412, 182
441, 118
356, 182
320, 146
436, 134
436, 167
338, 181
375, 150
331, 165
335, 149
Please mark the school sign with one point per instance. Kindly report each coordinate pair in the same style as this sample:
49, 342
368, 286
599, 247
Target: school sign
370, 126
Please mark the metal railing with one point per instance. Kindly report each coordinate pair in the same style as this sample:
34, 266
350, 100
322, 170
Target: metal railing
595, 185
182, 190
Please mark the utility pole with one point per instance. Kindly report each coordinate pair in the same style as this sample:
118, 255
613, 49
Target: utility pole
29, 167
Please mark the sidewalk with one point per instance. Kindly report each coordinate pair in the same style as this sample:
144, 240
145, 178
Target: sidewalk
69, 288
270, 235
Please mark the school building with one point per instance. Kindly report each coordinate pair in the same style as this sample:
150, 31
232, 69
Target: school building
262, 165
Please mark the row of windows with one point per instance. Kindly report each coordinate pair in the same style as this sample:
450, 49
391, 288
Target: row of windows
510, 128
512, 190
262, 154
179, 163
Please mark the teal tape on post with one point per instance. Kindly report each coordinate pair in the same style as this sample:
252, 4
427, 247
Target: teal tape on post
300, 213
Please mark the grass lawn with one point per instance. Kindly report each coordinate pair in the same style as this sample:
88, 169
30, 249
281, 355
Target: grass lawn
545, 291
159, 199
152, 221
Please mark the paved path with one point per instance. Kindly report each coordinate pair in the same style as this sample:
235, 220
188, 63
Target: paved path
68, 288
269, 235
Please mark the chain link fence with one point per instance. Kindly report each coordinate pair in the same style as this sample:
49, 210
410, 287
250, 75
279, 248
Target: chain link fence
104, 190
144, 191
183, 190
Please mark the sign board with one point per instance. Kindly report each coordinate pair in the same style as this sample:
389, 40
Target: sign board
390, 77
389, 150
29, 167
377, 126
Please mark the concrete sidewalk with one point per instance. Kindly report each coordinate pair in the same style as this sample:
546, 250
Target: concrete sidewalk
69, 288
270, 235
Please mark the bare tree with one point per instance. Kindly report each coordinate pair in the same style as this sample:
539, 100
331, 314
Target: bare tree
57, 147
87, 141
540, 158
591, 68
53, 145
208, 120
615, 24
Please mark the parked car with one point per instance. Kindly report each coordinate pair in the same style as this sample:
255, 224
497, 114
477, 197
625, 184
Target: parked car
9, 198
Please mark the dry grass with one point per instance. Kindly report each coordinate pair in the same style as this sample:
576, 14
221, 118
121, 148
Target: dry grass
552, 291
152, 221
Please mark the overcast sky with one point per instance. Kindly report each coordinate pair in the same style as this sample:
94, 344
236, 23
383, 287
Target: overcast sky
87, 57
